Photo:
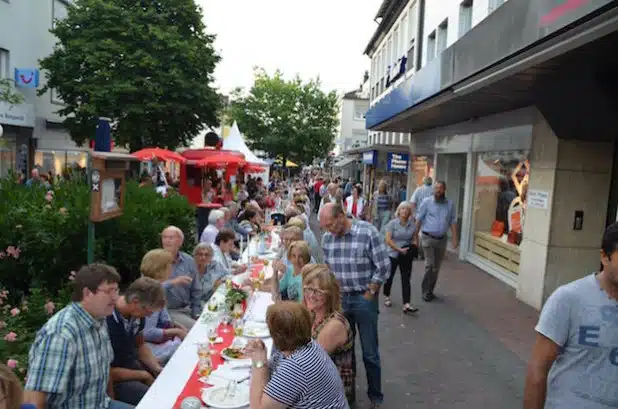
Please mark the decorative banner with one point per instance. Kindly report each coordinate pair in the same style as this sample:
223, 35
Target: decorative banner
26, 77
369, 158
397, 162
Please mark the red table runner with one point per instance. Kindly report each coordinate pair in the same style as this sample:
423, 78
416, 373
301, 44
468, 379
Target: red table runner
193, 386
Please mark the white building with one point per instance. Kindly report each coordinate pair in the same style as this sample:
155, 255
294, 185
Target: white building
33, 132
353, 106
512, 103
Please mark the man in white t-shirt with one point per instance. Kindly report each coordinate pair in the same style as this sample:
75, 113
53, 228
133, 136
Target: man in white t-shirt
574, 363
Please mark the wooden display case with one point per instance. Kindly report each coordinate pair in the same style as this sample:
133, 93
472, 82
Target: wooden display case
506, 255
108, 172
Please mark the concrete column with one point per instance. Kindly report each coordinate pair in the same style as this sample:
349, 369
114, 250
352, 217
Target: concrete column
576, 175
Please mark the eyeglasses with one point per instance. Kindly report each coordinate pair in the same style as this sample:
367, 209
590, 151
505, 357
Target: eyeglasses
314, 292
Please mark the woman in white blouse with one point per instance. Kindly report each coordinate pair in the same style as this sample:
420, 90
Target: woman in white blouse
355, 204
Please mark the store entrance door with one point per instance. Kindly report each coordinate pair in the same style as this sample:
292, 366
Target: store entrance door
451, 168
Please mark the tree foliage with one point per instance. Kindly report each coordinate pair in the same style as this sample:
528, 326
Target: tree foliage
292, 119
8, 94
145, 64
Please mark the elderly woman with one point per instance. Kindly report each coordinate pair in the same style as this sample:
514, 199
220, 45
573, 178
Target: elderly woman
290, 285
216, 221
300, 373
250, 221
330, 327
160, 333
210, 272
399, 233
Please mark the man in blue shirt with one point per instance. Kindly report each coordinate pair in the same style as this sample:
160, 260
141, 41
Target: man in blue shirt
435, 216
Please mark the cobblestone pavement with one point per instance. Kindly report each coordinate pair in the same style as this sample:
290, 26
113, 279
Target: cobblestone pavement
467, 349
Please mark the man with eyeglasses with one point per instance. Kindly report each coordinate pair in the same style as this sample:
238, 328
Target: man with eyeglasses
70, 358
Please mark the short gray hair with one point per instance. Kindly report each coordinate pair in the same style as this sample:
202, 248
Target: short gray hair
176, 230
401, 206
148, 292
203, 246
215, 215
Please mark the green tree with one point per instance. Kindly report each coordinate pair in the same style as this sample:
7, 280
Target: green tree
292, 119
8, 94
145, 64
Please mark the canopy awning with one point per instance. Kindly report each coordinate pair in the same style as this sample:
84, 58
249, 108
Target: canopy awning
345, 162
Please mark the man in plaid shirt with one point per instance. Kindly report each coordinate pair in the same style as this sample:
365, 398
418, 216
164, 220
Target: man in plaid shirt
356, 254
70, 357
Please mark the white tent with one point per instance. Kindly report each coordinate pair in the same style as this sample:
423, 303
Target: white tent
235, 142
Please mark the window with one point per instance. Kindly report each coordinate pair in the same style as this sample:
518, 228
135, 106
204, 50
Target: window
55, 98
501, 186
431, 46
59, 11
359, 115
410, 56
465, 17
442, 36
412, 16
5, 71
389, 55
396, 51
494, 4
404, 34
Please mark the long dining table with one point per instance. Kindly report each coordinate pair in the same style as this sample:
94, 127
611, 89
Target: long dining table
179, 378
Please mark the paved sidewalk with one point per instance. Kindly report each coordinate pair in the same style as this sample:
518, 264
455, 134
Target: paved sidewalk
467, 349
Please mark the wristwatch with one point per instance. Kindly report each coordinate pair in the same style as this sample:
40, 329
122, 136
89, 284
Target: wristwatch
258, 364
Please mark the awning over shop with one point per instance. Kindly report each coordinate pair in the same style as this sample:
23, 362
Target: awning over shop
547, 56
345, 162
380, 148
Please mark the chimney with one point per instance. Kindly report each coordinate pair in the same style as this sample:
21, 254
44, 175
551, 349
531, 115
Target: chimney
366, 76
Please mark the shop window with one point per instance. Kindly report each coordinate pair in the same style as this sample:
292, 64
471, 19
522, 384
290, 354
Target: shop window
7, 157
465, 17
501, 185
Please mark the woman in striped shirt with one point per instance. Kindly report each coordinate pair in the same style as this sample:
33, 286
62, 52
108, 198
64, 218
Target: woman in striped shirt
301, 374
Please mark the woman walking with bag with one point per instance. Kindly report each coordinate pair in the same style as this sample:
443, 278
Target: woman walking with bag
399, 233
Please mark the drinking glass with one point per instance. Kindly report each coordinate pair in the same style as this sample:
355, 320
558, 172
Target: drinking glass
212, 335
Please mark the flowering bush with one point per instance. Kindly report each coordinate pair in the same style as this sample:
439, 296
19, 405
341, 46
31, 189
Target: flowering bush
19, 324
44, 233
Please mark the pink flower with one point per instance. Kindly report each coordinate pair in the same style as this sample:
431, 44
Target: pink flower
72, 275
10, 337
15, 311
13, 251
50, 307
11, 363
2, 324
2, 255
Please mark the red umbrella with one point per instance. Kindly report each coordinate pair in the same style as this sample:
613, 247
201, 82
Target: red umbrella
221, 160
160, 154
252, 168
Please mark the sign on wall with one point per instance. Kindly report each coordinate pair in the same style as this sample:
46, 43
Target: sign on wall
18, 115
26, 77
369, 158
538, 199
397, 162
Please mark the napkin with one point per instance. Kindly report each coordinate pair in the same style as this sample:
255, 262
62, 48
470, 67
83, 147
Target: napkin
225, 374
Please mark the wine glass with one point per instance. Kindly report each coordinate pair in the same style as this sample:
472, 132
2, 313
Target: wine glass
225, 321
212, 335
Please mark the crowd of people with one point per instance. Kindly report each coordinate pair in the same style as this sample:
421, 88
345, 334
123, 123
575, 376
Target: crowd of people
105, 349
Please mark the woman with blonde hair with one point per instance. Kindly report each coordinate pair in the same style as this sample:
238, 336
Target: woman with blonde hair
399, 233
330, 327
11, 392
290, 285
160, 333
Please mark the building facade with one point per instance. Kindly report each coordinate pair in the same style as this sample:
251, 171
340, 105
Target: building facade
33, 132
517, 104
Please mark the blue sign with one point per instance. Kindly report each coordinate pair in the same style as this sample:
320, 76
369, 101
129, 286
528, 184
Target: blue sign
369, 158
397, 162
26, 77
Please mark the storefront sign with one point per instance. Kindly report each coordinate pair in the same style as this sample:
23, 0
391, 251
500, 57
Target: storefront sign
397, 162
18, 115
369, 158
538, 199
26, 77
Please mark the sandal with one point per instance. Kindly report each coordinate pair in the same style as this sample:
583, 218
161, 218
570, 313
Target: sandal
388, 303
409, 309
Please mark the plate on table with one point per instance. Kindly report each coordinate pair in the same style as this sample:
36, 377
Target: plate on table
256, 330
224, 397
233, 353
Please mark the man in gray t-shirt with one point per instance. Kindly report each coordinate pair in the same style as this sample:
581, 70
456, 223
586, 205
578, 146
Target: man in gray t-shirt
574, 362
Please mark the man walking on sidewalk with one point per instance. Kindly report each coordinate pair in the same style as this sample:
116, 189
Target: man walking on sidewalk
421, 193
357, 256
435, 216
574, 362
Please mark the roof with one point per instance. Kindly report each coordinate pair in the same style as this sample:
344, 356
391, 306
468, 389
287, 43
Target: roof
356, 94
389, 11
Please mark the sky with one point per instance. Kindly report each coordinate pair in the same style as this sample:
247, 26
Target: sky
324, 38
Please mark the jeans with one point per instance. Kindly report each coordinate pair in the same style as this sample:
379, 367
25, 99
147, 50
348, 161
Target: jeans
405, 269
114, 404
130, 392
381, 219
363, 314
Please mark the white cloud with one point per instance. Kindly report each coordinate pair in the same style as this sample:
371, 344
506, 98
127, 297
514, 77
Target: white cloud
324, 38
